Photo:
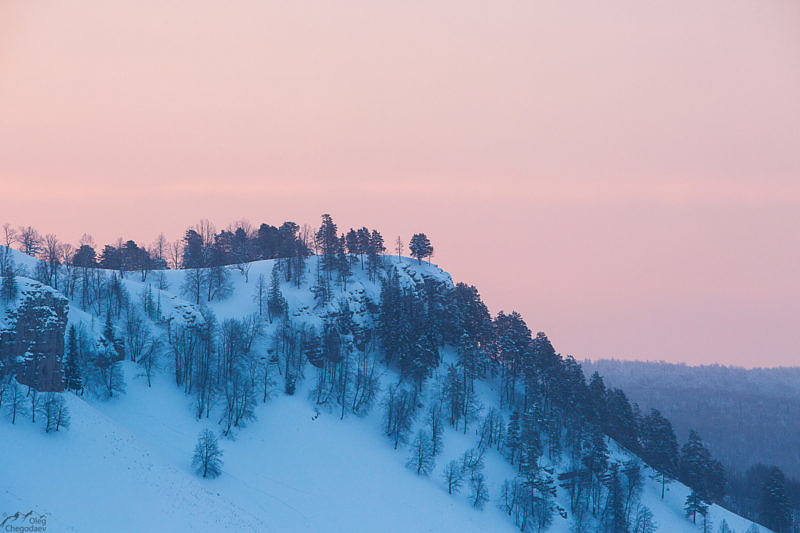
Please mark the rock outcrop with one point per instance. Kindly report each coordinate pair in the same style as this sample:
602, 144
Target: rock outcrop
32, 336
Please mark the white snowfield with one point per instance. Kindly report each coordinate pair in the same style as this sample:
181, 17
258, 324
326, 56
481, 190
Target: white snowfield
125, 464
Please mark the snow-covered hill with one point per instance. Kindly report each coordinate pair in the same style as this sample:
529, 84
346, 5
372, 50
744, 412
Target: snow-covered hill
125, 463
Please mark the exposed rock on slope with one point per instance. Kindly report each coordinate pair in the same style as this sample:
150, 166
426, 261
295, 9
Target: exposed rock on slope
32, 336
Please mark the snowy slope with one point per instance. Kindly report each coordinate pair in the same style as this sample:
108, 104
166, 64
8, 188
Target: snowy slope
125, 463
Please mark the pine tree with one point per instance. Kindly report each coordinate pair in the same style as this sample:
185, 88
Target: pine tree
276, 303
775, 511
620, 422
694, 464
512, 345
363, 243
352, 243
513, 440
108, 329
343, 262
374, 251
694, 504
390, 317
8, 285
597, 398
659, 447
420, 247
72, 375
596, 460
530, 442
327, 242
615, 510
194, 251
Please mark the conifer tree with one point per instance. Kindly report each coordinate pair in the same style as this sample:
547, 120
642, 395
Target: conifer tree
72, 375
597, 397
114, 346
390, 319
343, 262
436, 429
420, 247
699, 471
193, 250
620, 421
659, 447
775, 511
614, 513
8, 285
513, 437
512, 344
363, 243
694, 504
374, 251
276, 303
352, 243
327, 242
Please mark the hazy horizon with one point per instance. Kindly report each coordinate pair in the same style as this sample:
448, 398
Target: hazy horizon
626, 174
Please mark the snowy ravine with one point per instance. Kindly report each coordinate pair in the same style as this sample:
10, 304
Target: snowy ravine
125, 463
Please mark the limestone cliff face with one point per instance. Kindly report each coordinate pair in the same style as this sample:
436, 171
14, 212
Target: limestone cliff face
32, 336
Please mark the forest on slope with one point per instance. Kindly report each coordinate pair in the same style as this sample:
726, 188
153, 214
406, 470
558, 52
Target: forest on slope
248, 314
748, 417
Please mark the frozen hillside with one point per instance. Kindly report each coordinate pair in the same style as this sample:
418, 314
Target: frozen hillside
291, 375
125, 466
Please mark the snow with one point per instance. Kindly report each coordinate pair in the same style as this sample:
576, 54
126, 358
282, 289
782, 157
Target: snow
125, 465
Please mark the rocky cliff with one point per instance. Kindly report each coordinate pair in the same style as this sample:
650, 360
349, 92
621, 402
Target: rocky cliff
32, 336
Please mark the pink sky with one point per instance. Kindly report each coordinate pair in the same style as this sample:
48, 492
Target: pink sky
624, 173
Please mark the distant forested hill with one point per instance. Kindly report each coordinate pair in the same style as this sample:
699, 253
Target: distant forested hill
745, 416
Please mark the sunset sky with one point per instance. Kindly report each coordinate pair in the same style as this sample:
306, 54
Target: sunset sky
626, 174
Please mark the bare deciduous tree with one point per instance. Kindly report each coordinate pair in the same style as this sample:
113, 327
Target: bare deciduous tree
9, 236
207, 458
175, 254
29, 240
15, 401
